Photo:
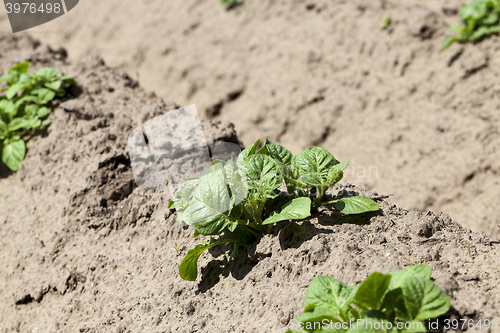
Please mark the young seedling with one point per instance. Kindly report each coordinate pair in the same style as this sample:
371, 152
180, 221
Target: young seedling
400, 297
368, 237
480, 19
468, 250
386, 22
41, 241
129, 272
175, 249
231, 3
24, 105
239, 200
65, 266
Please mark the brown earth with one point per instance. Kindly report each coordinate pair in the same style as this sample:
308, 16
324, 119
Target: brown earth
84, 250
416, 123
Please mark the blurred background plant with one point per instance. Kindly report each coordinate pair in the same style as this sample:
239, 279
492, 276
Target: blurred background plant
231, 3
24, 106
480, 19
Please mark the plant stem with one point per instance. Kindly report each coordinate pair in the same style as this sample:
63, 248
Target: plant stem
250, 227
328, 203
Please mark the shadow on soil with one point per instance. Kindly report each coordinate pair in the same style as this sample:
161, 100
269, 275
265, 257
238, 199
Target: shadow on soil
290, 235
4, 171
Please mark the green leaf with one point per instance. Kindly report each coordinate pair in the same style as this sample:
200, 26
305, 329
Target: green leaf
336, 173
47, 73
54, 85
26, 98
210, 198
45, 95
394, 304
262, 174
279, 153
13, 154
12, 78
456, 28
60, 92
171, 203
212, 226
32, 109
21, 67
423, 299
35, 123
236, 179
14, 89
318, 314
248, 151
10, 109
399, 275
18, 123
26, 79
495, 29
479, 33
232, 227
46, 122
447, 42
492, 18
356, 205
370, 293
188, 269
68, 80
314, 162
313, 180
245, 153
297, 209
328, 292
3, 131
43, 112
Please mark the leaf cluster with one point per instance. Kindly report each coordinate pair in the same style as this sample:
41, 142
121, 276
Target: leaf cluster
401, 296
480, 18
24, 104
241, 199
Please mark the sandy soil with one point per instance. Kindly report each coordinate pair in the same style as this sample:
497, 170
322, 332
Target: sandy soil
414, 122
84, 250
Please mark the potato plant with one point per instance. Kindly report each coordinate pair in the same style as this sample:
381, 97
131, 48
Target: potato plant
240, 200
399, 301
231, 3
480, 18
24, 105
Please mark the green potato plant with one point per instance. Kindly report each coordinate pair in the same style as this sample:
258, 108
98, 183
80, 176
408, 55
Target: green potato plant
240, 200
24, 105
231, 3
386, 22
480, 18
399, 301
